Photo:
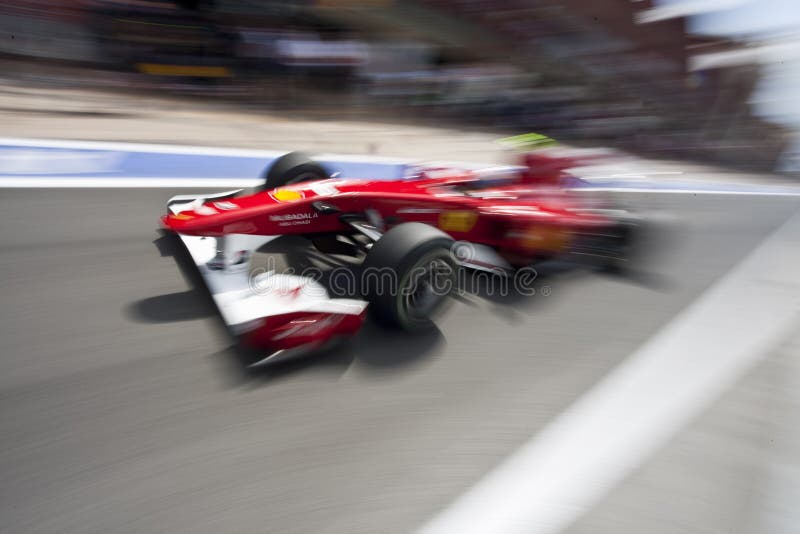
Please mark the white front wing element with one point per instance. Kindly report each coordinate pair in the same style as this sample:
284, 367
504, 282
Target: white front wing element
243, 299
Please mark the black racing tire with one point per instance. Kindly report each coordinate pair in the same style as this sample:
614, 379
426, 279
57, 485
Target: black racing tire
408, 275
626, 246
292, 168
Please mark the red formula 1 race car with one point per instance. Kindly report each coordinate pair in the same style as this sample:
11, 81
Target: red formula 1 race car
408, 238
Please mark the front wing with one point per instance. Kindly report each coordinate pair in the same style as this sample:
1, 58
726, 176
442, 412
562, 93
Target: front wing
277, 314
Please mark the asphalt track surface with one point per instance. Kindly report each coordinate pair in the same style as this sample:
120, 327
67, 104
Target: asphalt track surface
123, 409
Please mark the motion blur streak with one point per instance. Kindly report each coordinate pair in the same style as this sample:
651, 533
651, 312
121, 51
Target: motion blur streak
598, 441
123, 409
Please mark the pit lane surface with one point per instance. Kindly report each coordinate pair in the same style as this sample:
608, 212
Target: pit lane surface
122, 410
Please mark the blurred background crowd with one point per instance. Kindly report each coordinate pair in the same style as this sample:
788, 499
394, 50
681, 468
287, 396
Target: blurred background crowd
640, 75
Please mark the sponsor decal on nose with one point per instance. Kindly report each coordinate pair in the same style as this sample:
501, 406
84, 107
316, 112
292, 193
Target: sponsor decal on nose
286, 195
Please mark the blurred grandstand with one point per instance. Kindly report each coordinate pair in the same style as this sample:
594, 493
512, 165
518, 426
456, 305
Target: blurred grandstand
598, 71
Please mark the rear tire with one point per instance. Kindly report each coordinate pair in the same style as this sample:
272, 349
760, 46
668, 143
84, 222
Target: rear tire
407, 276
625, 248
292, 168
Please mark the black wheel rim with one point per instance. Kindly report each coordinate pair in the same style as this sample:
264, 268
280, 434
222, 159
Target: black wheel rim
425, 288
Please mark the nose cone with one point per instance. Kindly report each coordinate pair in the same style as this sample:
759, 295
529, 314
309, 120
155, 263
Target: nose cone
201, 221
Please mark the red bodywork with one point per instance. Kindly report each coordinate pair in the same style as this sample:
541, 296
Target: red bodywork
284, 332
523, 216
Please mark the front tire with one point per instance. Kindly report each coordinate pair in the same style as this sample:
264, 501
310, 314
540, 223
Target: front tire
292, 168
408, 275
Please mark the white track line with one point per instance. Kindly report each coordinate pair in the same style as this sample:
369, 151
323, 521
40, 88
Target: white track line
180, 149
579, 457
775, 191
9, 181
101, 182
